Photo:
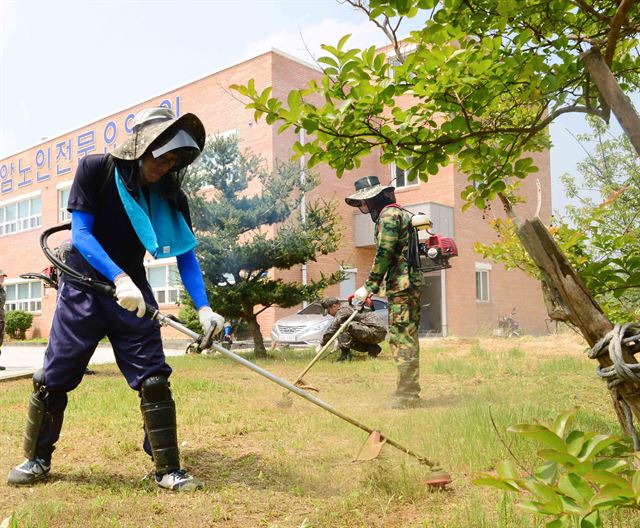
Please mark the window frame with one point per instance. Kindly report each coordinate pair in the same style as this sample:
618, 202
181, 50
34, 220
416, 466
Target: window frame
63, 214
30, 304
394, 179
168, 290
483, 270
21, 222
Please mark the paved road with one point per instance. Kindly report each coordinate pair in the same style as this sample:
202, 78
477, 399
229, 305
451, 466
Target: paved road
22, 361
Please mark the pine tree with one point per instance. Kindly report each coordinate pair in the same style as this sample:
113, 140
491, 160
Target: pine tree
248, 222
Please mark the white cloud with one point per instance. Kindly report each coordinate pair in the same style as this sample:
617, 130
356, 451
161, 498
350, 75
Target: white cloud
305, 43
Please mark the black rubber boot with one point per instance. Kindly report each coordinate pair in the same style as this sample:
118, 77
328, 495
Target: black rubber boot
345, 355
374, 350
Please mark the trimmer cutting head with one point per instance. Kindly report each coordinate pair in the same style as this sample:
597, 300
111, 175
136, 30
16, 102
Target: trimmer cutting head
438, 481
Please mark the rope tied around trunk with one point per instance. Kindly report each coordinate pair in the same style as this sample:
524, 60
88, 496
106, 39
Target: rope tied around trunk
628, 336
624, 337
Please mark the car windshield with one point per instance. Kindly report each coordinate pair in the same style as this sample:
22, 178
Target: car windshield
313, 309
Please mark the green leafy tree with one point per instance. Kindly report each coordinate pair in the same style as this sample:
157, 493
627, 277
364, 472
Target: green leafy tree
248, 223
480, 81
608, 214
601, 234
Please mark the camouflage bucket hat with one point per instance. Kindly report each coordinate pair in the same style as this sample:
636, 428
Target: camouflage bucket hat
366, 188
2, 273
151, 123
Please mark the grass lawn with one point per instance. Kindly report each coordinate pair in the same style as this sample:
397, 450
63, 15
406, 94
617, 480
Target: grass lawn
264, 466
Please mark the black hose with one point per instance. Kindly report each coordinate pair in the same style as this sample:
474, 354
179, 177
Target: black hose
101, 287
40, 276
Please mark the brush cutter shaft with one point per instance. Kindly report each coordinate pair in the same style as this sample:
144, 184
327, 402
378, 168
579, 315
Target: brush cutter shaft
153, 313
327, 345
164, 320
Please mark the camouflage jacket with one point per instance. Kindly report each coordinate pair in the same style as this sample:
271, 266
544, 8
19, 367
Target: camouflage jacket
343, 313
392, 244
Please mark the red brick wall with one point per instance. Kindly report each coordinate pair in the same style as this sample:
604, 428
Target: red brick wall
220, 110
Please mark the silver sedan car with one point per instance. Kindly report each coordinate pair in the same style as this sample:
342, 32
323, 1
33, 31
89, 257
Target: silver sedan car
307, 326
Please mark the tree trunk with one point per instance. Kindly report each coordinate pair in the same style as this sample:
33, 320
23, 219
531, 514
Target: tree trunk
567, 299
613, 95
258, 342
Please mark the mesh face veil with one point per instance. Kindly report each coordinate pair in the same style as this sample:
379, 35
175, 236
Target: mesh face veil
379, 202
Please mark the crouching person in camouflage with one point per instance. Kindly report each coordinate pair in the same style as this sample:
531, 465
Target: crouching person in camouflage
363, 334
403, 283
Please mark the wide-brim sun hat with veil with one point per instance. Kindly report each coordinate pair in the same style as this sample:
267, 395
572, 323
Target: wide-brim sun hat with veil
367, 188
161, 127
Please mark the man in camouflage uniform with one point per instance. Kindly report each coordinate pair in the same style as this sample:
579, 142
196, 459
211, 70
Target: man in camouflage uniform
3, 299
363, 334
403, 282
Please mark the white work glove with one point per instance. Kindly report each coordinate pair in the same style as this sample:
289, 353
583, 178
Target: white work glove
361, 294
210, 319
129, 296
318, 348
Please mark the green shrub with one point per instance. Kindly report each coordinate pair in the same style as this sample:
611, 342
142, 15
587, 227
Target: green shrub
17, 323
582, 474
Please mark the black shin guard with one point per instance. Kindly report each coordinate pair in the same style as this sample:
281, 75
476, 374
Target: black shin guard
35, 417
44, 420
159, 413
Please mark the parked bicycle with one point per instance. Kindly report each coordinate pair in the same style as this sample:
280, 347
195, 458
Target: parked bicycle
508, 326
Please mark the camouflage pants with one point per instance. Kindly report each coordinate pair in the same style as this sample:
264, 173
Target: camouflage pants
1, 329
404, 324
362, 333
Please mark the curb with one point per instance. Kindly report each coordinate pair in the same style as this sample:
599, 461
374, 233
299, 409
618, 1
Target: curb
18, 375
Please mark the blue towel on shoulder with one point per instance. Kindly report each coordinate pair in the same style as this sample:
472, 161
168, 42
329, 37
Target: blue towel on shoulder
161, 228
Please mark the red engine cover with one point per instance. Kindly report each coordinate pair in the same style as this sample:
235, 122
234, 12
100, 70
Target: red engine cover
446, 245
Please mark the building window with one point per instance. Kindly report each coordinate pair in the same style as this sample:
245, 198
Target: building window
395, 61
482, 282
399, 178
20, 216
63, 200
25, 296
165, 283
348, 284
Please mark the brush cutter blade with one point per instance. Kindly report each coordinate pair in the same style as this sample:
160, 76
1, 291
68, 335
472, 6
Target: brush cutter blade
303, 385
438, 480
371, 448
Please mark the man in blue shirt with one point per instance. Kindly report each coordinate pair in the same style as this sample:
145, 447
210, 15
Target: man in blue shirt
122, 206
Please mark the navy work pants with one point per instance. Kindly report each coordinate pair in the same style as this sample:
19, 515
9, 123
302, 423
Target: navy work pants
81, 320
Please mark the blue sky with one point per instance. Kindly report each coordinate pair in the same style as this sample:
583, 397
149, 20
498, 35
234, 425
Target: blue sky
64, 64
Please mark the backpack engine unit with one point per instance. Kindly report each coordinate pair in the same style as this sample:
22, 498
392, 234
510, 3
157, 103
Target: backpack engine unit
434, 253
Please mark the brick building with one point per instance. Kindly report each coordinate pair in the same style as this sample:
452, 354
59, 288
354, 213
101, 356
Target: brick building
463, 300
